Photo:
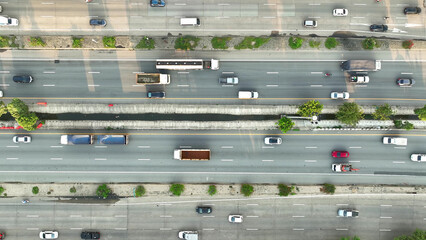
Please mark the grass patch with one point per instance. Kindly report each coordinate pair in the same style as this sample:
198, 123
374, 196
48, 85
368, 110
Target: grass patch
314, 44
251, 43
146, 43
247, 189
109, 42
295, 42
212, 190
4, 42
77, 42
177, 189
186, 43
73, 190
139, 191
220, 42
35, 190
370, 43
331, 42
37, 42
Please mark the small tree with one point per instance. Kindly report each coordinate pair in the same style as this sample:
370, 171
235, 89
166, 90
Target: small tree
421, 113
35, 190
314, 44
285, 190
295, 42
17, 108
328, 188
285, 124
417, 235
310, 108
212, 190
331, 42
28, 122
139, 191
350, 113
383, 112
370, 43
349, 238
103, 191
177, 189
407, 44
247, 189
3, 108
73, 190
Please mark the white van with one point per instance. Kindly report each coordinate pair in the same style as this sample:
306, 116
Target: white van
190, 22
7, 21
247, 94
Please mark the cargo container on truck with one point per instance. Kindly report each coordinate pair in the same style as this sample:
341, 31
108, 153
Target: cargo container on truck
361, 65
152, 78
112, 139
77, 139
192, 154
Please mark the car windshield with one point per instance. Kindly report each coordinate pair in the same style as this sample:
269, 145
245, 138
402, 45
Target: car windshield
273, 140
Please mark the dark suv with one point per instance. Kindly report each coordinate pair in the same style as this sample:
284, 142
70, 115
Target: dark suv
156, 94
412, 10
202, 210
378, 28
23, 79
98, 22
90, 235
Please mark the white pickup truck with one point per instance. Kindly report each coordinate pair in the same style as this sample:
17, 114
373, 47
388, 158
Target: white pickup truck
395, 140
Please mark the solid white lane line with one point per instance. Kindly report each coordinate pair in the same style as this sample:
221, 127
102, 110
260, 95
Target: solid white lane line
341, 204
354, 161
100, 159
225, 85
311, 147
185, 146
48, 85
124, 229
208, 229
120, 216
4, 85
144, 159
271, 72
4, 71
384, 230
406, 73
75, 215
298, 229
385, 205
183, 72
93, 85
267, 160
183, 85
32, 228
298, 204
165, 229
252, 229
144, 146
358, 17
316, 85
227, 72
398, 162
76, 228
32, 216
227, 160
46, 16
93, 72
271, 85
12, 158
56, 146
386, 217
100, 146
227, 147
12, 146
208, 204
341, 229
252, 216
55, 158
317, 73
165, 216
252, 204
355, 147
310, 160
298, 216
208, 216
49, 72
400, 147
266, 147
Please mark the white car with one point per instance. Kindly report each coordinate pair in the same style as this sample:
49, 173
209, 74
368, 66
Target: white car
417, 157
21, 139
340, 12
235, 218
49, 235
7, 21
348, 213
1, 93
339, 95
273, 140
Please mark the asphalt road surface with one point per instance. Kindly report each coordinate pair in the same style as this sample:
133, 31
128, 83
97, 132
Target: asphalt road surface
236, 157
381, 217
223, 18
278, 82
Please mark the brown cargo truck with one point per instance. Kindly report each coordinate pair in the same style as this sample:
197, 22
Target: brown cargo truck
192, 154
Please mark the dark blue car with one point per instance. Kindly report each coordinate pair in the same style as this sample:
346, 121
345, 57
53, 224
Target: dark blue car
98, 22
158, 3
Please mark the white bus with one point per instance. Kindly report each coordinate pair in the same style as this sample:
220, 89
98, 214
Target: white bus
187, 64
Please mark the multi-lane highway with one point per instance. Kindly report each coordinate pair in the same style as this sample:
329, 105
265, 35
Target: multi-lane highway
231, 17
235, 157
278, 82
298, 217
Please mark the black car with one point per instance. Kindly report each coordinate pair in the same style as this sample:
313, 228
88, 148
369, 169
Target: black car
378, 28
90, 235
202, 210
412, 10
98, 22
405, 82
23, 79
156, 94
157, 3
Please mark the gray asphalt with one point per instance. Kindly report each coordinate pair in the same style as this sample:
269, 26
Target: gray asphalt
277, 82
233, 17
381, 217
237, 157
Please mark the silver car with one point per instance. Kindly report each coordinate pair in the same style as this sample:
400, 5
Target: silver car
21, 139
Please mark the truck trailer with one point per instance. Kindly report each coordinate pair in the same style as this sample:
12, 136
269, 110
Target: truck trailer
152, 78
192, 154
361, 65
112, 139
77, 139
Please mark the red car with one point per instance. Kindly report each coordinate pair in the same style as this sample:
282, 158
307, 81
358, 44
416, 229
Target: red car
2, 235
340, 154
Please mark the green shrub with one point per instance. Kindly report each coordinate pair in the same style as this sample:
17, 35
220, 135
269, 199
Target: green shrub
408, 126
285, 190
2, 190
212, 190
295, 42
314, 44
407, 44
36, 42
285, 124
73, 190
403, 125
186, 43
251, 43
331, 42
35, 190
370, 43
109, 42
310, 108
146, 43
220, 42
328, 188
77, 42
4, 42
417, 235
139, 191
247, 189
383, 112
177, 189
350, 113
103, 191
421, 113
